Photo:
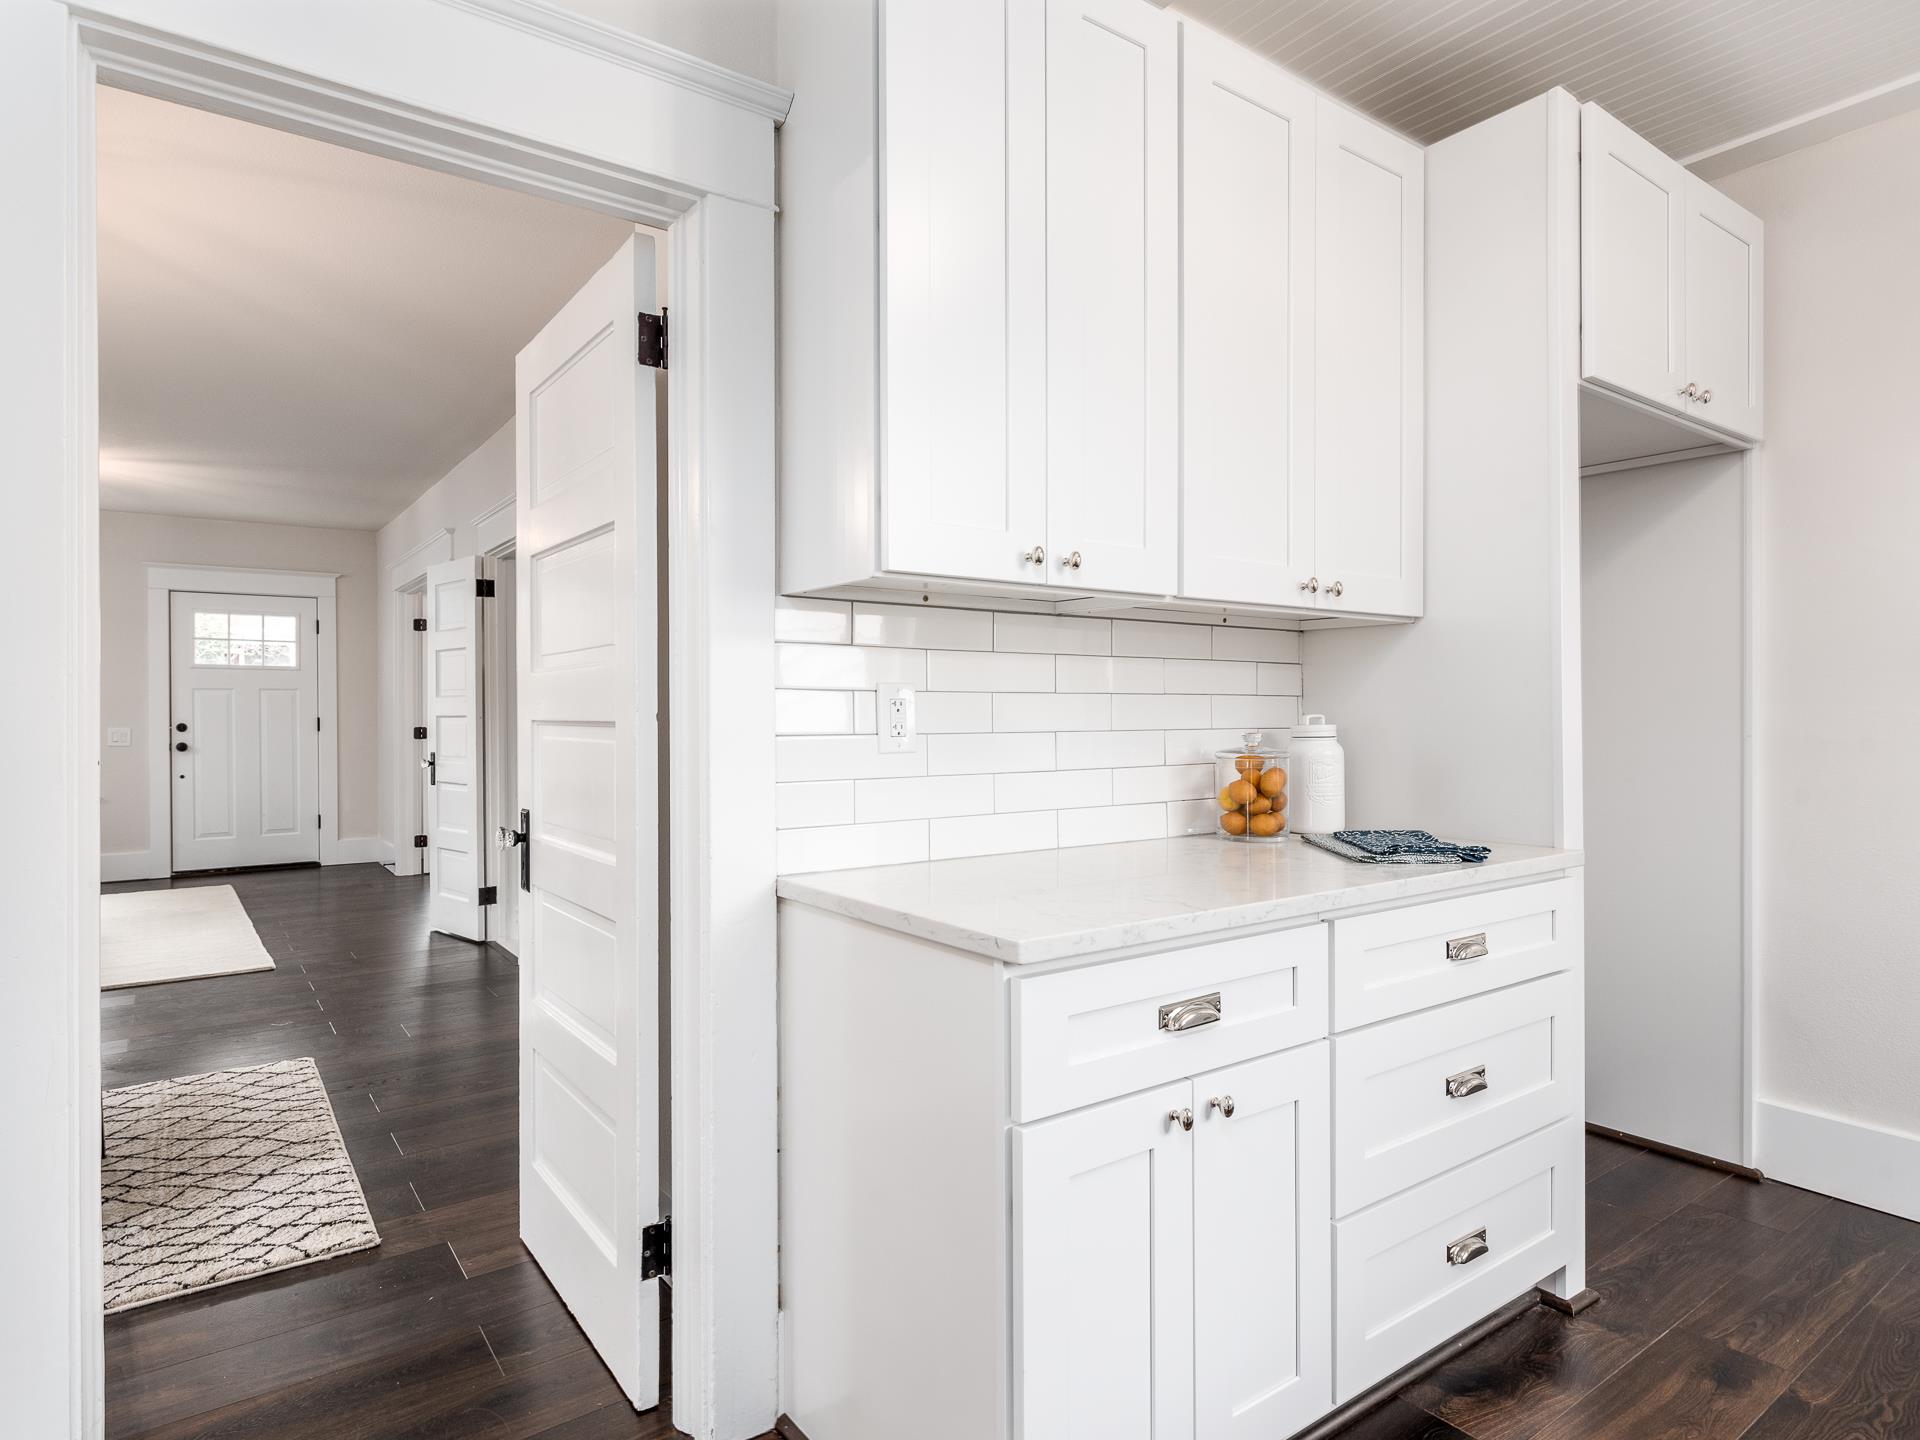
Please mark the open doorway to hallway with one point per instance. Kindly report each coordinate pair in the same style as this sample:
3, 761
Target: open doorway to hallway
335, 429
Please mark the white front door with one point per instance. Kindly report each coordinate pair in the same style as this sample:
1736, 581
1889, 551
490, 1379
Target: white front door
586, 479
454, 737
244, 744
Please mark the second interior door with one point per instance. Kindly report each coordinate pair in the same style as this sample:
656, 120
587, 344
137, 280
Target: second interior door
455, 736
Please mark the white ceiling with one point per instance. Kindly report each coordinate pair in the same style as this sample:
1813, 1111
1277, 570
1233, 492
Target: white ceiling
297, 332
1689, 75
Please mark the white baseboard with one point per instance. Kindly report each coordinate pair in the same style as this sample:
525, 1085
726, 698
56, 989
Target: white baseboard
1866, 1164
359, 850
133, 865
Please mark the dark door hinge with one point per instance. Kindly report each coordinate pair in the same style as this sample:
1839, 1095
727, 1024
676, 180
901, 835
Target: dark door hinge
316, 624
419, 842
489, 894
316, 722
419, 622
653, 339
419, 732
483, 589
656, 1250
316, 822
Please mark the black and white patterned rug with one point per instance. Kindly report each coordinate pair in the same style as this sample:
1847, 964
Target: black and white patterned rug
214, 1178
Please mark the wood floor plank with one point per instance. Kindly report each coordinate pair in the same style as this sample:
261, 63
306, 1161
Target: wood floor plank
1648, 1285
1605, 1153
1682, 1387
1777, 1206
1523, 1376
1863, 1385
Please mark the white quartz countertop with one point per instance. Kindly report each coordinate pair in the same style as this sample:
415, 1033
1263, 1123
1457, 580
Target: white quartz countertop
1053, 904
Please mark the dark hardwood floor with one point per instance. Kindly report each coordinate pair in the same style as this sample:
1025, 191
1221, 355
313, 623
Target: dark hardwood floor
1727, 1309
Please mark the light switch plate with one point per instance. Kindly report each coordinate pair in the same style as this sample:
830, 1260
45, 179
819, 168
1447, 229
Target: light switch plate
897, 727
119, 736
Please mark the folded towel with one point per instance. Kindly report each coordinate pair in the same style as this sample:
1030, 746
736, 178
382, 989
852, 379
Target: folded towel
1398, 847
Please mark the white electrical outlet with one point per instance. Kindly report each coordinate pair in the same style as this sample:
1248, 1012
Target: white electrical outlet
896, 719
119, 736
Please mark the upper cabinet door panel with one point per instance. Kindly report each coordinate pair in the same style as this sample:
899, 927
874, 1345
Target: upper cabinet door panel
1724, 245
1632, 243
1370, 457
952, 503
1113, 196
1247, 151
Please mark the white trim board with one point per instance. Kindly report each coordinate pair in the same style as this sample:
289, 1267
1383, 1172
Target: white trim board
407, 577
162, 581
1815, 127
1864, 1164
492, 90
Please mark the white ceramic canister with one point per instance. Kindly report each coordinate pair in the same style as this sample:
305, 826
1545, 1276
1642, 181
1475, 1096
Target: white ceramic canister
1319, 778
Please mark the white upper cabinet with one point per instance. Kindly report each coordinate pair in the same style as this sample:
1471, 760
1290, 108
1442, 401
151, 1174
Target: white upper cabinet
1112, 218
1670, 282
1247, 292
1370, 392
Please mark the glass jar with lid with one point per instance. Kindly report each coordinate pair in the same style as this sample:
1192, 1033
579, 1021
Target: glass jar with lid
1250, 784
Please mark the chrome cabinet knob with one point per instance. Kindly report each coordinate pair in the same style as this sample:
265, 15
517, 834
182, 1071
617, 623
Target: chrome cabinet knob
1705, 397
1690, 391
1222, 1103
1036, 556
1311, 584
1183, 1118
1070, 562
1336, 589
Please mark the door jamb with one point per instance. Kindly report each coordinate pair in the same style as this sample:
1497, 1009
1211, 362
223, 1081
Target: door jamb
162, 581
495, 539
407, 577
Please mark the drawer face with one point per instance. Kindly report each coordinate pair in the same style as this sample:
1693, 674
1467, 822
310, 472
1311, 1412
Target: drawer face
1398, 961
1411, 1272
1081, 1036
1416, 1096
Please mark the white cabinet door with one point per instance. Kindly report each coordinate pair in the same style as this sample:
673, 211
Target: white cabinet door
1369, 470
1112, 206
1247, 131
1723, 270
1103, 1272
454, 737
956, 501
1262, 1265
1632, 271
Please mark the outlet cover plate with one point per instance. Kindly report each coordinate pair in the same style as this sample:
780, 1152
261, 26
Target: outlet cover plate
899, 730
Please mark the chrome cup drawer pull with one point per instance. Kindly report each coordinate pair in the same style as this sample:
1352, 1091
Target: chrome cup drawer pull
1468, 1248
1191, 1014
1467, 947
1467, 1082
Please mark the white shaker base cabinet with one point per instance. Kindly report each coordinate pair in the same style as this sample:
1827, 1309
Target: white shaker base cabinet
1131, 1192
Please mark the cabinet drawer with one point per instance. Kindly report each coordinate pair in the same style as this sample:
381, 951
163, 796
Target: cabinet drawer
1419, 1095
1411, 1272
1106, 1030
1400, 960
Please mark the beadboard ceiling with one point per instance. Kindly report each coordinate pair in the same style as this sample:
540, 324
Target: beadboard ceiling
1690, 77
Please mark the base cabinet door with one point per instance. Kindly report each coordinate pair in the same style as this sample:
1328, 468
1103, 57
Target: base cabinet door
1103, 1271
1262, 1265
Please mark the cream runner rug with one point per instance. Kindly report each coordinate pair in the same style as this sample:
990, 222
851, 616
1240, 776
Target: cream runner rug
215, 1178
147, 936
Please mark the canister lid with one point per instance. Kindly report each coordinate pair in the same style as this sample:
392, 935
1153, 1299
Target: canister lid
1251, 745
1314, 727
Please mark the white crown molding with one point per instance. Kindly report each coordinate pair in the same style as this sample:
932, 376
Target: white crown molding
1882, 102
636, 52
492, 510
229, 580
435, 539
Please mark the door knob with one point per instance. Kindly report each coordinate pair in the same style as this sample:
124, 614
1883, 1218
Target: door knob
1336, 589
428, 766
1036, 556
180, 744
1705, 397
1071, 562
181, 727
1222, 1103
1311, 584
1690, 390
1183, 1118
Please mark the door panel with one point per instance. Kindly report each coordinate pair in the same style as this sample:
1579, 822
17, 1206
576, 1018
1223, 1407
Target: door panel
1103, 1272
1247, 274
1370, 465
455, 730
1632, 280
1262, 1272
1723, 310
586, 714
1112, 296
245, 684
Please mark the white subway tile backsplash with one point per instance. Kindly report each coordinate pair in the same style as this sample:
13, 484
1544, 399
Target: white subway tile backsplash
848, 667
1052, 634
1036, 730
987, 754
1112, 823
815, 622
968, 670
922, 798
1234, 643
922, 629
1162, 637
1053, 712
813, 802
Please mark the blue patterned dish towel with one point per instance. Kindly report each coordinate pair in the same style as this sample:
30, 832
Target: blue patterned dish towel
1397, 847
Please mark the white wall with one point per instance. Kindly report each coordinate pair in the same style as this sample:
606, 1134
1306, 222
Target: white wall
128, 544
1837, 754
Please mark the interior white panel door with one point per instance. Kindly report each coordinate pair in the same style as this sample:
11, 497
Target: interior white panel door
1113, 201
1370, 463
586, 477
1247, 151
1262, 1264
1103, 1272
955, 501
1632, 266
244, 748
1724, 284
455, 736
